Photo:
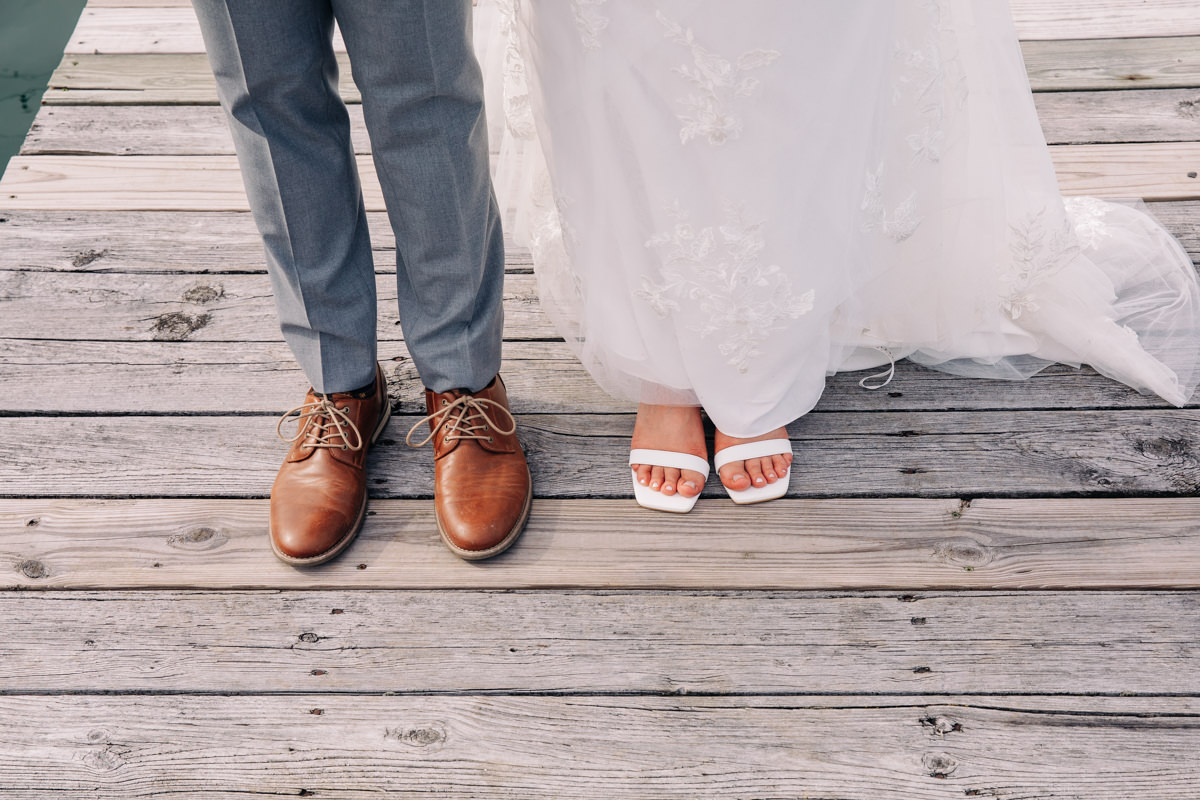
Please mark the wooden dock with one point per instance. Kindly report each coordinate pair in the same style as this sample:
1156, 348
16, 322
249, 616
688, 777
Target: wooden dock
975, 590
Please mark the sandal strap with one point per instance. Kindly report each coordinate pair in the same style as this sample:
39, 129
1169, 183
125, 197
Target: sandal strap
742, 452
668, 458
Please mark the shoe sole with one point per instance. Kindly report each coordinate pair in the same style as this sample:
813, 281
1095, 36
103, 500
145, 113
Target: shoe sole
345, 541
496, 549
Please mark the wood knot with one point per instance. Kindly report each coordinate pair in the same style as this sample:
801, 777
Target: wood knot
940, 726
203, 294
198, 539
939, 765
417, 737
87, 257
963, 553
309, 638
34, 569
106, 757
177, 326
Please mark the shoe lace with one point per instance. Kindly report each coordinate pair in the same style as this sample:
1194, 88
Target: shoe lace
466, 417
324, 423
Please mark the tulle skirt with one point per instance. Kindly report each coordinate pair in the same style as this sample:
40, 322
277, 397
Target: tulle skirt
728, 202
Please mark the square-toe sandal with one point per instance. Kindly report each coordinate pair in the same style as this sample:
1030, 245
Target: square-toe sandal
649, 498
743, 452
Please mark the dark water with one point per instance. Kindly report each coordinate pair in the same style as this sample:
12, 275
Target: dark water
33, 34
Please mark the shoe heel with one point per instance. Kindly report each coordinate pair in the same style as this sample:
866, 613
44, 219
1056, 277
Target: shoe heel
383, 421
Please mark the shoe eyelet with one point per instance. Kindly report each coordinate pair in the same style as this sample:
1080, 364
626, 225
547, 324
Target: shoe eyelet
490, 439
345, 447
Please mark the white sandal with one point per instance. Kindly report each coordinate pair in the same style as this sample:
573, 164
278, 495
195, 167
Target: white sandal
656, 500
743, 452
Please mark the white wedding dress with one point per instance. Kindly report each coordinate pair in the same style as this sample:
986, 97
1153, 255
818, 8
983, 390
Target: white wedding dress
729, 201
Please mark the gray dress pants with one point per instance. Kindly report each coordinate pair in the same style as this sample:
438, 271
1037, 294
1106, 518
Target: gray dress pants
422, 95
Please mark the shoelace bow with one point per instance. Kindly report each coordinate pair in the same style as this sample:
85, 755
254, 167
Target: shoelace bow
467, 417
324, 422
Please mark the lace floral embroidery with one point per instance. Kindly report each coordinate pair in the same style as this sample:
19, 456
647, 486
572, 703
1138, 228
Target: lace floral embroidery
1039, 249
518, 110
590, 21
1089, 215
899, 224
720, 268
928, 76
718, 83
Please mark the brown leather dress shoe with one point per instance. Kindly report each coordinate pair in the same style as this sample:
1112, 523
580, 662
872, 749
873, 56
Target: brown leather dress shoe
481, 485
319, 499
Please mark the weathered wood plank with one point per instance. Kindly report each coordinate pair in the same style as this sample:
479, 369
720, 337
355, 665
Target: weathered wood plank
1155, 115
139, 3
231, 308
1099, 19
263, 377
149, 78
769, 748
882, 454
160, 130
1168, 171
553, 641
1072, 65
1164, 115
162, 29
168, 29
211, 242
908, 545
223, 242
1159, 171
183, 183
1088, 64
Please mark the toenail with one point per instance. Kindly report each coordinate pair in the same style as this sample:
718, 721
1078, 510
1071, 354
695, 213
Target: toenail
690, 485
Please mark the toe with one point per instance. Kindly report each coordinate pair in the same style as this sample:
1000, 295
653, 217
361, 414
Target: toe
734, 476
767, 466
643, 474
670, 481
780, 463
656, 478
691, 483
755, 472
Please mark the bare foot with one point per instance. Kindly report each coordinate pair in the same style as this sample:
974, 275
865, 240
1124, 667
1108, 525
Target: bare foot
741, 475
678, 429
